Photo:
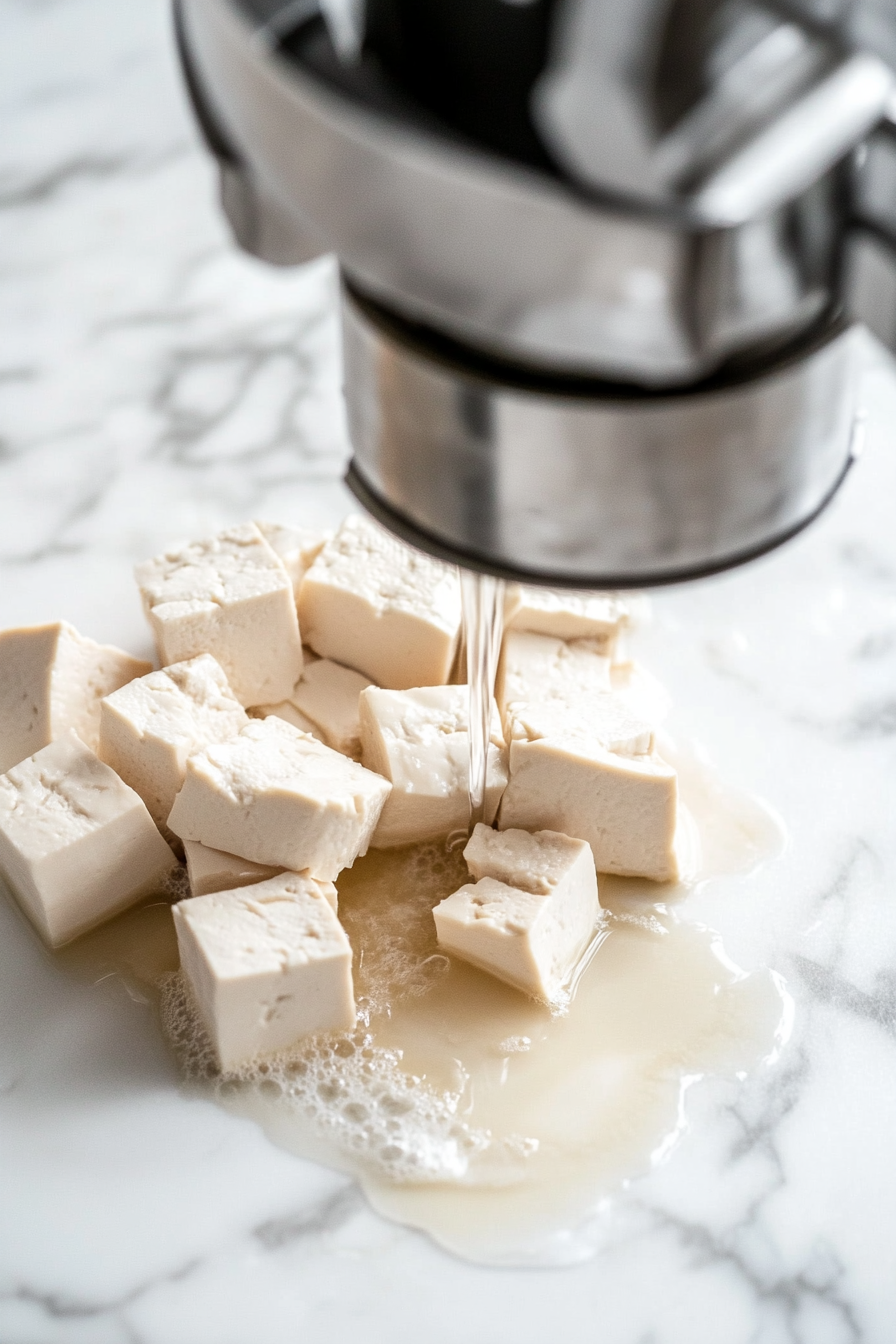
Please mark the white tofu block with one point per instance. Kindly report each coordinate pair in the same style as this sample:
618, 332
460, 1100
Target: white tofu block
530, 915
276, 796
328, 695
53, 679
268, 965
231, 597
418, 740
567, 614
603, 720
296, 547
325, 704
213, 870
532, 861
376, 605
625, 806
150, 726
76, 844
538, 668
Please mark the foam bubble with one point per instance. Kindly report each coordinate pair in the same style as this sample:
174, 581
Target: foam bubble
175, 886
386, 910
355, 1093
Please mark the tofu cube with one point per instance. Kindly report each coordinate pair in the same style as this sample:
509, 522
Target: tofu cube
76, 844
150, 726
212, 870
567, 614
276, 796
604, 720
531, 913
267, 964
325, 703
231, 597
329, 695
376, 605
419, 741
53, 679
538, 668
594, 775
296, 547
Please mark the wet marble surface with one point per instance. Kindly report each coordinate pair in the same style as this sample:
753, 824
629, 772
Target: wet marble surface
155, 384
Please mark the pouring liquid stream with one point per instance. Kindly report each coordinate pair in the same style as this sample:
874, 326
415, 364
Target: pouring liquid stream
483, 622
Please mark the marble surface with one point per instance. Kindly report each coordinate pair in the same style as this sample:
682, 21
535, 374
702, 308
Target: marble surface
155, 384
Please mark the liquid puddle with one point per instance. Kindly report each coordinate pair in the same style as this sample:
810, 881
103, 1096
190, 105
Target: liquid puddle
464, 1108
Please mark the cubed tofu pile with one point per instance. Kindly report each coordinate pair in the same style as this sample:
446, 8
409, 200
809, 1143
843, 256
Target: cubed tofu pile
303, 712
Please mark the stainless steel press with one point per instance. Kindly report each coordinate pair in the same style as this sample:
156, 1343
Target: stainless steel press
602, 260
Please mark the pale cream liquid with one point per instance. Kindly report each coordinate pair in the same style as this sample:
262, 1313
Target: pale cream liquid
461, 1106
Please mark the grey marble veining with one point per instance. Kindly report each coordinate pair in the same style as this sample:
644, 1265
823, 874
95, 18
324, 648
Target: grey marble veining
155, 384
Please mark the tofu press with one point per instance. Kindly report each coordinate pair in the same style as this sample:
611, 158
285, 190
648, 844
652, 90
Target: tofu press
603, 261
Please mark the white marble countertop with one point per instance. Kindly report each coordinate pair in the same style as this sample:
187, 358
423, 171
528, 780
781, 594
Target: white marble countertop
155, 384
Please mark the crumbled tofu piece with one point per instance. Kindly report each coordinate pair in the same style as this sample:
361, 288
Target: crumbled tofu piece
376, 605
213, 870
566, 614
276, 796
531, 913
419, 741
532, 861
231, 597
540, 668
296, 547
564, 777
53, 679
327, 699
76, 844
150, 726
268, 965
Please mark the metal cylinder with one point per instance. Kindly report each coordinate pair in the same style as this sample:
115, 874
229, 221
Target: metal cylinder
588, 485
